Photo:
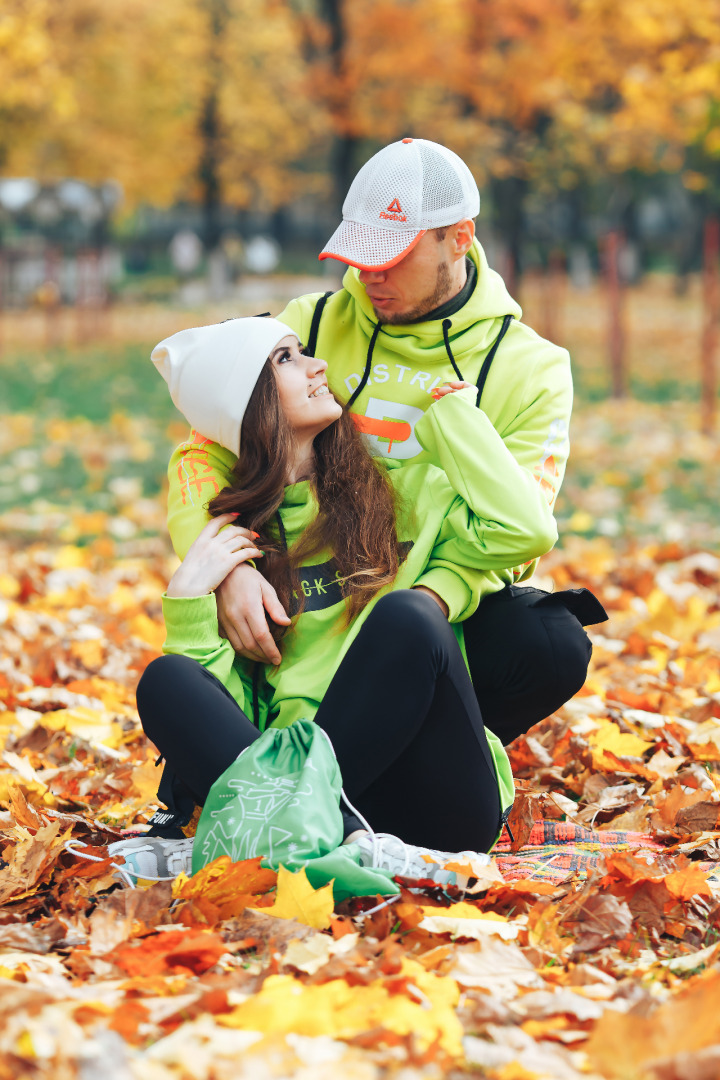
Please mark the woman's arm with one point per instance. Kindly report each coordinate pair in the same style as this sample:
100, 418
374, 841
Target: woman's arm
189, 606
199, 469
220, 547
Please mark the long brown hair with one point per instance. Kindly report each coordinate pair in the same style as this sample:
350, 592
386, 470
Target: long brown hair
356, 519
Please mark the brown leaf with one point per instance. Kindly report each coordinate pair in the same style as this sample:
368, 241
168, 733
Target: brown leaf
684, 1025
40, 938
267, 930
597, 920
31, 860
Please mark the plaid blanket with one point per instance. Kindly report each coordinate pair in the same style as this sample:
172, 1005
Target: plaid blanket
556, 849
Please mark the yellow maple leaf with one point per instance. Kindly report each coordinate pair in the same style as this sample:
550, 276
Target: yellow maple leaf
296, 899
624, 744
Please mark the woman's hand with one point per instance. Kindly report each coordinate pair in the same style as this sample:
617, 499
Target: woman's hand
450, 388
212, 557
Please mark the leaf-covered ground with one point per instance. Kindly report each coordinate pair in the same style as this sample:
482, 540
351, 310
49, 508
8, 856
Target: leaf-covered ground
591, 948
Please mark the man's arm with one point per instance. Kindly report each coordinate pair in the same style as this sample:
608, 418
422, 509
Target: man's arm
510, 498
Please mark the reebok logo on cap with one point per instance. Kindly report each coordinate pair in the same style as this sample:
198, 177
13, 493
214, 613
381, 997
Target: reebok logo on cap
394, 212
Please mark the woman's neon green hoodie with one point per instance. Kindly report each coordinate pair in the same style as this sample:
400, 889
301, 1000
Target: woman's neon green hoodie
451, 516
519, 435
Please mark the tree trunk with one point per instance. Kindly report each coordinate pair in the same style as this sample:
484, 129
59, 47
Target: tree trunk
343, 154
711, 317
210, 127
616, 329
509, 212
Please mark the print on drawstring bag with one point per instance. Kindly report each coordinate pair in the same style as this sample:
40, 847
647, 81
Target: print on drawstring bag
280, 799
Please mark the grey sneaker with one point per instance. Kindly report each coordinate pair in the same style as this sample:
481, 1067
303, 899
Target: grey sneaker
152, 858
383, 851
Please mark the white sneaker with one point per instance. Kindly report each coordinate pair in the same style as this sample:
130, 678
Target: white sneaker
152, 858
383, 851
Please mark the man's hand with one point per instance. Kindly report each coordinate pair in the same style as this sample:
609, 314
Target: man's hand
242, 602
450, 388
438, 599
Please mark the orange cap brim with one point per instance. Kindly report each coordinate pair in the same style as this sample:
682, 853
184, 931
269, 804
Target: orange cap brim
350, 261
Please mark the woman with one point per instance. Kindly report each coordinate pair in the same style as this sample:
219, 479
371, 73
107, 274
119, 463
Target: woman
352, 548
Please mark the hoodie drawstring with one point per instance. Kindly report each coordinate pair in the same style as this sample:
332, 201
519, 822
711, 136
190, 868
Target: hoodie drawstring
447, 323
366, 374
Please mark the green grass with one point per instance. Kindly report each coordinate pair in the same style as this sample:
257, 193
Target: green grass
92, 383
92, 428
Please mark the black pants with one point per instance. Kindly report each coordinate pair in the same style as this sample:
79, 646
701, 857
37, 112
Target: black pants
401, 714
528, 654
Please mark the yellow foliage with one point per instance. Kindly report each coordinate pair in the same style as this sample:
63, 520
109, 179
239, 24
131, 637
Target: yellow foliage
338, 1010
466, 920
86, 723
151, 632
296, 899
623, 85
609, 737
70, 558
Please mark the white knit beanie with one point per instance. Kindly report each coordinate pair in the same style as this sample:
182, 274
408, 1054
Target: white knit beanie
212, 371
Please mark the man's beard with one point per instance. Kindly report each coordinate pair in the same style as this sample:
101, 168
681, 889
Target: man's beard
439, 295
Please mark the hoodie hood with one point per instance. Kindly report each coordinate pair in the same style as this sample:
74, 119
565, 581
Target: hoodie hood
474, 326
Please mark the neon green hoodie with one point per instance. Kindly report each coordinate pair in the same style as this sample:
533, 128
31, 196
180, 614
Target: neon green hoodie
519, 434
449, 514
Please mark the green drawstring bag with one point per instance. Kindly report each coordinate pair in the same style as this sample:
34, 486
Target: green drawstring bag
280, 799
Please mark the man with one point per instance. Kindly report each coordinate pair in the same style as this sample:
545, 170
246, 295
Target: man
420, 314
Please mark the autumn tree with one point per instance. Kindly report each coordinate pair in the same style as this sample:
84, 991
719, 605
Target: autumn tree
194, 100
534, 94
34, 88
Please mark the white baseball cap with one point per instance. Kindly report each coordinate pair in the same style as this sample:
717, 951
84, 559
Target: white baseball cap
405, 189
211, 372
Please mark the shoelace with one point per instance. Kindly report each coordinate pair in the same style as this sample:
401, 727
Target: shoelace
71, 846
377, 839
377, 849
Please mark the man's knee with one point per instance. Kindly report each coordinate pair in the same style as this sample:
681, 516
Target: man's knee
407, 607
571, 651
526, 659
410, 617
552, 649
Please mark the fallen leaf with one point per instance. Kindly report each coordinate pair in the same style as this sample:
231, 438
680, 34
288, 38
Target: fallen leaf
296, 899
426, 1009
465, 921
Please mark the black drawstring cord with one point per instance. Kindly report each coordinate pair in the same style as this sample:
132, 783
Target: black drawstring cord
283, 543
447, 323
366, 374
256, 694
281, 530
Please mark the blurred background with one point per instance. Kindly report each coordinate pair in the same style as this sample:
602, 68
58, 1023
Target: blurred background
168, 164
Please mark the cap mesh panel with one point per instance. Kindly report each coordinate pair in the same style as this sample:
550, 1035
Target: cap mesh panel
442, 189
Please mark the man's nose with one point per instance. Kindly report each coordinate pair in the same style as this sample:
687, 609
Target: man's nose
368, 277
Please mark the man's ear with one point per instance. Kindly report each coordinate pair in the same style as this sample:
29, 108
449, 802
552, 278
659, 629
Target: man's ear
463, 236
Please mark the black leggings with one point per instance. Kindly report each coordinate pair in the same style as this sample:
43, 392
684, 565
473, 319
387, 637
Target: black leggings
401, 715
